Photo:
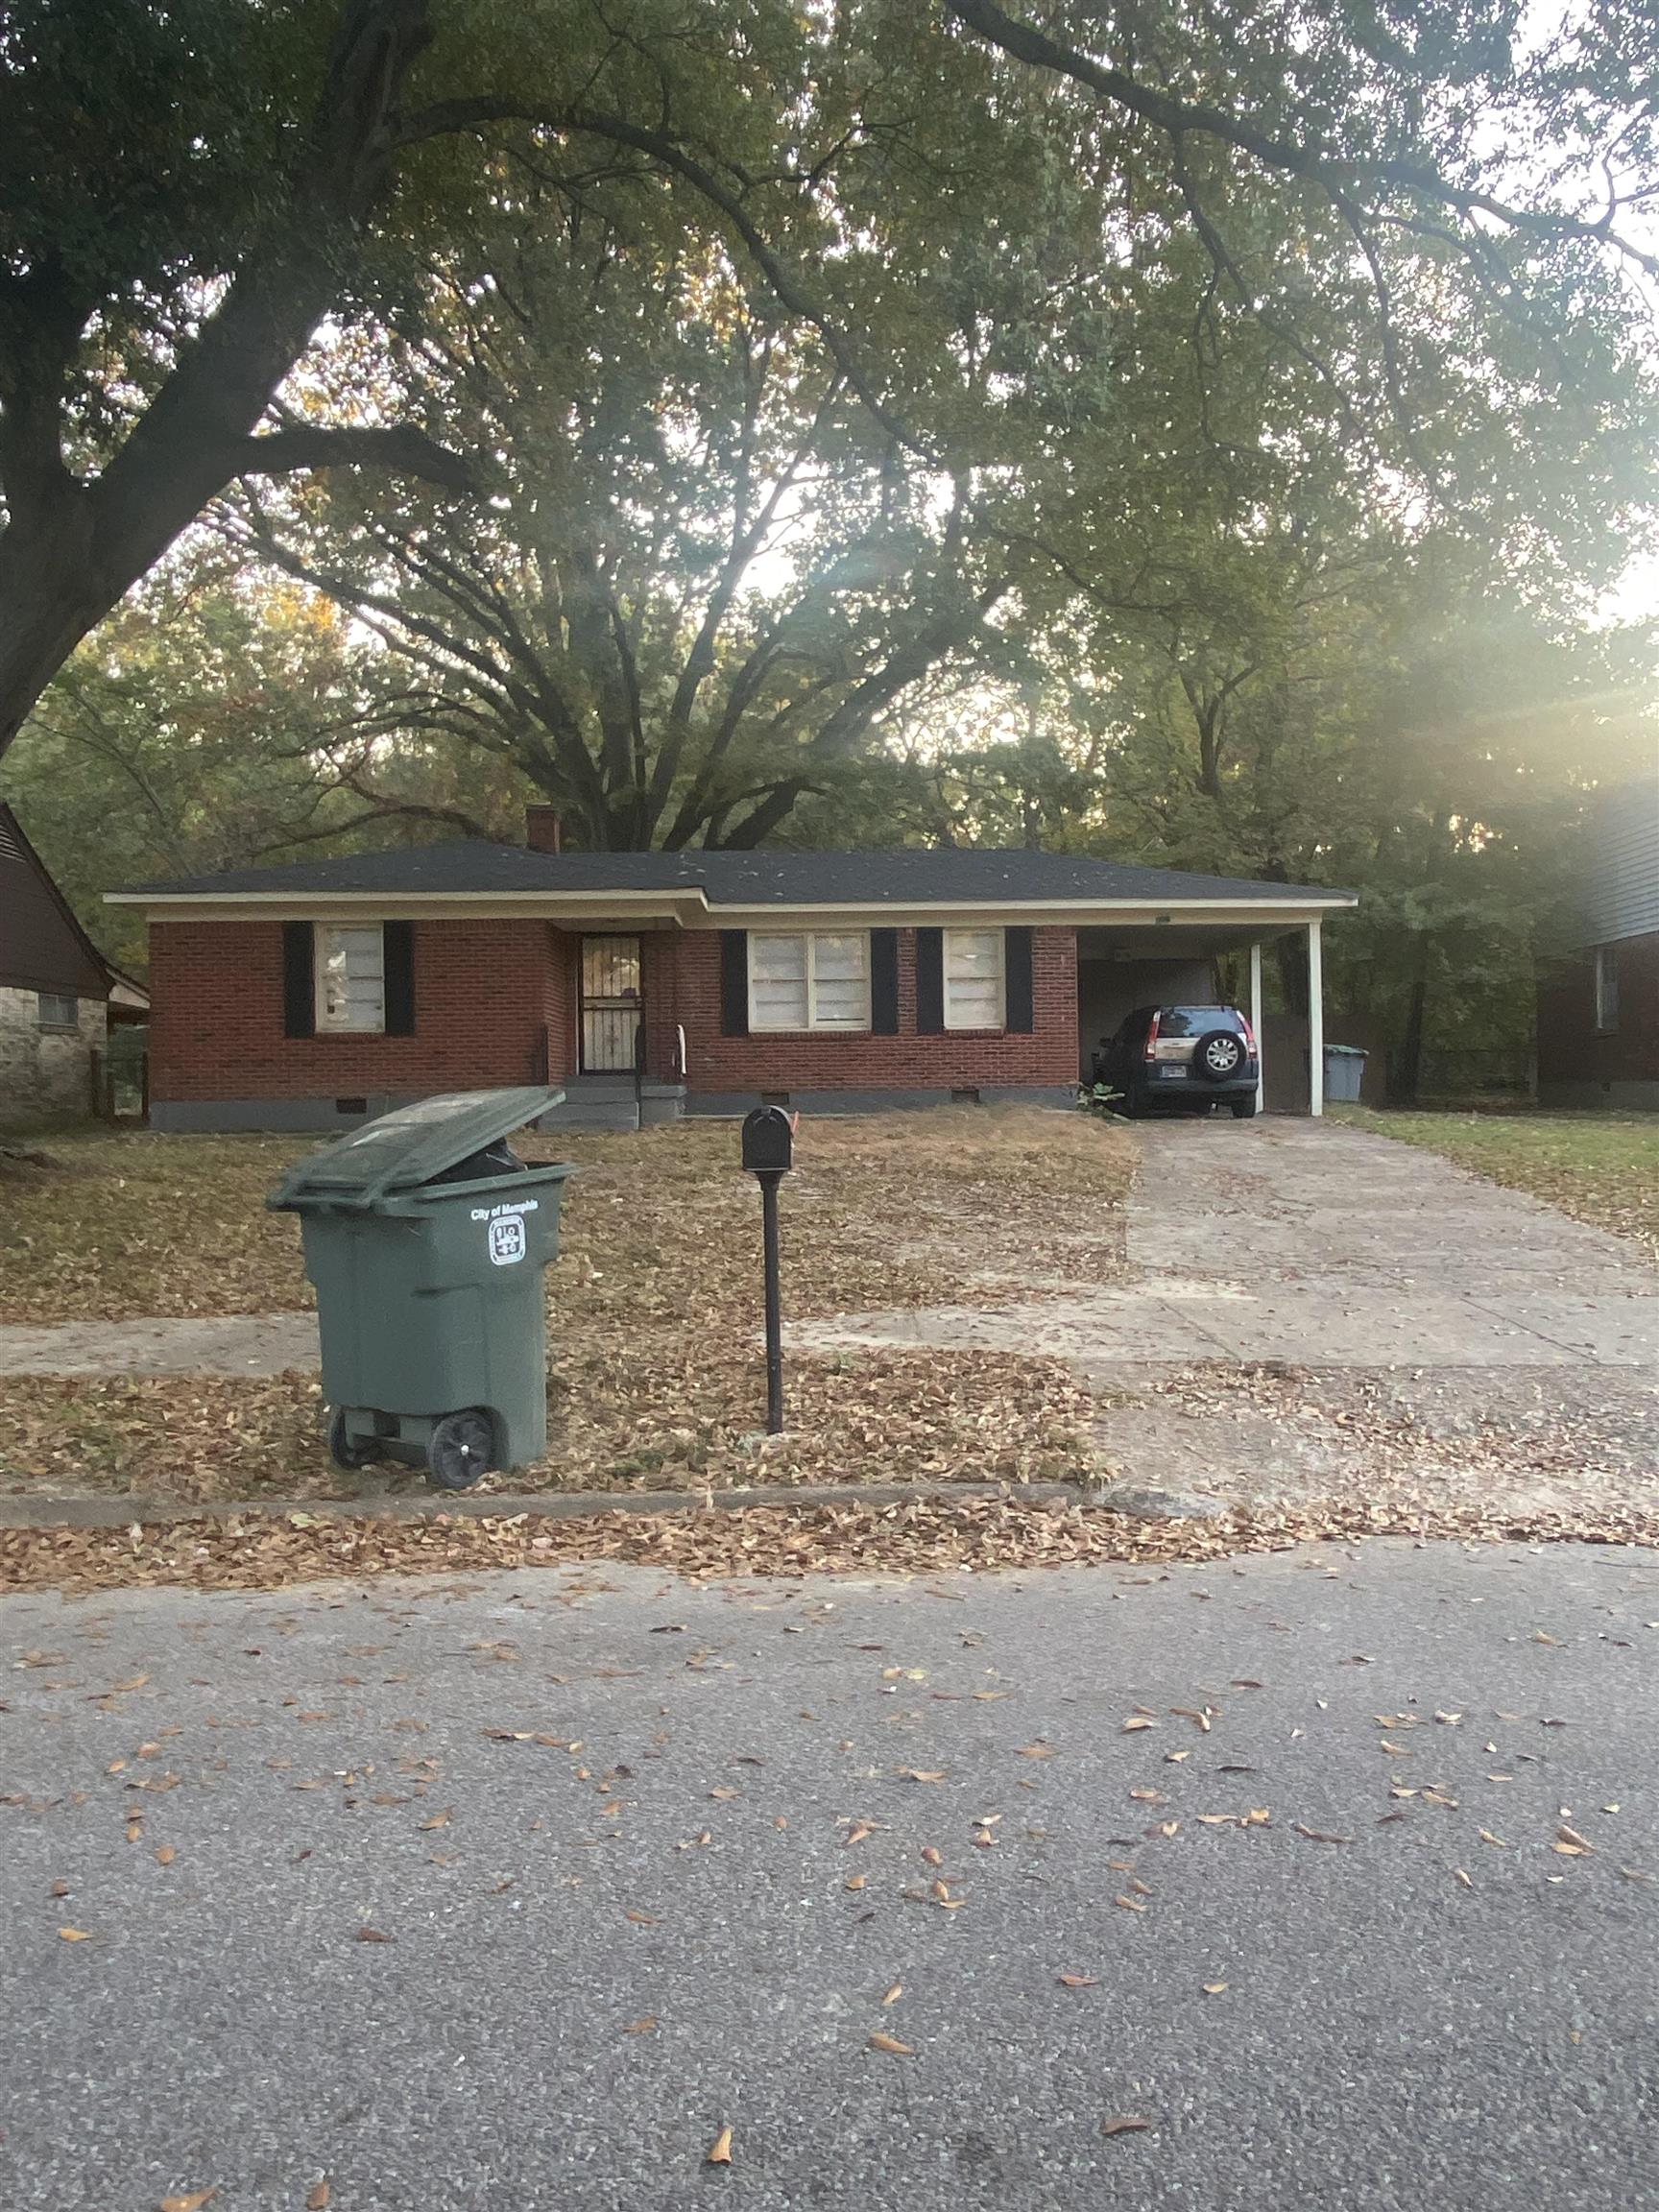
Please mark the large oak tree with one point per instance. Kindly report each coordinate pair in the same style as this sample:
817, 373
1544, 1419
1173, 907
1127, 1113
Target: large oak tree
196, 197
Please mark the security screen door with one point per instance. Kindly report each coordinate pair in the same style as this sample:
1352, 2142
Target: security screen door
611, 1004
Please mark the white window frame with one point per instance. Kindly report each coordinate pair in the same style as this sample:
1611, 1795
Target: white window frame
811, 938
329, 1024
954, 1019
58, 1000
1606, 990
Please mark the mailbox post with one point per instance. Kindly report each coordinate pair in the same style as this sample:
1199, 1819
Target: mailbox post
768, 1155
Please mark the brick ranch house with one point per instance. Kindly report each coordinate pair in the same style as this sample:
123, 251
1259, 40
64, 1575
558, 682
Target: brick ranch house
58, 996
1598, 1000
652, 984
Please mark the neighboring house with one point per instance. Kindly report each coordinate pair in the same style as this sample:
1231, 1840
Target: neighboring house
57, 993
309, 996
1599, 1005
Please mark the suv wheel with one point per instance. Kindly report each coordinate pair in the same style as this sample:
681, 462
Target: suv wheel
1243, 1109
1219, 1055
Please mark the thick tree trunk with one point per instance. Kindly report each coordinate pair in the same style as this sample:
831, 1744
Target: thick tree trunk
47, 606
72, 550
1406, 1066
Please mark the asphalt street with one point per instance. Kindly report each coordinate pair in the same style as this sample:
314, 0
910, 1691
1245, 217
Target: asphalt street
517, 1892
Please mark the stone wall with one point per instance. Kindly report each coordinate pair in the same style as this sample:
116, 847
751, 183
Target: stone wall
45, 1075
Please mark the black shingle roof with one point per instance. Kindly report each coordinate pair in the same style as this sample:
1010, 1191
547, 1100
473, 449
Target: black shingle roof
949, 876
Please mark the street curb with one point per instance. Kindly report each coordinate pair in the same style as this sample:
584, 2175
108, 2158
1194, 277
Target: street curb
509, 1505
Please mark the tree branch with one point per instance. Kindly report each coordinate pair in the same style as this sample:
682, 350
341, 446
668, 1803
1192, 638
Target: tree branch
401, 447
446, 118
1317, 164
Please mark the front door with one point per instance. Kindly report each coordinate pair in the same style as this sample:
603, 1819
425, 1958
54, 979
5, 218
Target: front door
611, 1004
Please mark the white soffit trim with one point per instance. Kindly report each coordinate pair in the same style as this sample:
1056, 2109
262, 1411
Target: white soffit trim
693, 909
1142, 913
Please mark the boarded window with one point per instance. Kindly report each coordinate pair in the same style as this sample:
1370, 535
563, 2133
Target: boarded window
809, 982
974, 997
351, 978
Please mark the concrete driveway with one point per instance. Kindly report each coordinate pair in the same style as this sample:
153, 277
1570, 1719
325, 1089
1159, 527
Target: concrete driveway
442, 1898
1312, 1306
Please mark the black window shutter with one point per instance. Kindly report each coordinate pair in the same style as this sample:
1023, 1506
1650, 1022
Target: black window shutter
398, 939
884, 982
733, 983
1016, 981
299, 980
929, 982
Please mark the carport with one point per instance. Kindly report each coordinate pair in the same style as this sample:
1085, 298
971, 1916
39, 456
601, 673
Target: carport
1171, 959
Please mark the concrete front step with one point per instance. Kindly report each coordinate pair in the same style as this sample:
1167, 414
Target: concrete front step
583, 1109
611, 1102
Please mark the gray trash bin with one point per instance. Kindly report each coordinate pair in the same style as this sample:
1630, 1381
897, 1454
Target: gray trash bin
425, 1239
1344, 1073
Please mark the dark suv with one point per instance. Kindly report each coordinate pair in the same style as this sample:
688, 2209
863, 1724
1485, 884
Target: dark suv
1186, 1058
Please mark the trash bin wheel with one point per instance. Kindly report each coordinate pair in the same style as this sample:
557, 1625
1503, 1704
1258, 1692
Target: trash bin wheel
343, 1449
462, 1447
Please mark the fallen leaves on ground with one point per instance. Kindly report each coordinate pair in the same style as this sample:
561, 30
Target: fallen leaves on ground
719, 2151
655, 1301
1126, 2124
917, 1536
130, 1222
1411, 1438
882, 2042
658, 1227
188, 2200
672, 1414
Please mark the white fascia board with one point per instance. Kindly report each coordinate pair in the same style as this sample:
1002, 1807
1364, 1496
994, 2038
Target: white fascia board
1064, 913
608, 906
690, 908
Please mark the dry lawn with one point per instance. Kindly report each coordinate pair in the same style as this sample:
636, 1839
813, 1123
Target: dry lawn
927, 1536
125, 1225
655, 1305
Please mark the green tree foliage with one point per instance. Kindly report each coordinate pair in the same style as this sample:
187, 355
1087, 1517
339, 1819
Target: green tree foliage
1169, 432
200, 731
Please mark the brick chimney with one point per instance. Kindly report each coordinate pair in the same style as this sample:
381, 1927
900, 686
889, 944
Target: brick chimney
543, 829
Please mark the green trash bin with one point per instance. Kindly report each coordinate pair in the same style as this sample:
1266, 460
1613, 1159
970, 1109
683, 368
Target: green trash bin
427, 1264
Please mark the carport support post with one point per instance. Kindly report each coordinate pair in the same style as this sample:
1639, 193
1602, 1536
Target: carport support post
1315, 1021
1256, 1020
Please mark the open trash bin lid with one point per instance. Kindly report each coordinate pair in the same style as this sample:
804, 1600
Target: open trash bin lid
408, 1147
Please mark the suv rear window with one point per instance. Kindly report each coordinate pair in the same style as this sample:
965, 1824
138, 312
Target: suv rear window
1198, 1020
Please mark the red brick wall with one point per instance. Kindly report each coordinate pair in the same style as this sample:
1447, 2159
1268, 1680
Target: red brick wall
497, 1002
662, 952
961, 1058
1570, 1049
483, 994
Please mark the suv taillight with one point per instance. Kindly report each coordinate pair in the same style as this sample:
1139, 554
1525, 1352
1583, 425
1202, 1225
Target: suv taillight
1250, 1034
1152, 1039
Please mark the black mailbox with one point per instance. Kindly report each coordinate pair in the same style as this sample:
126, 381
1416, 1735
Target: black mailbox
769, 1141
